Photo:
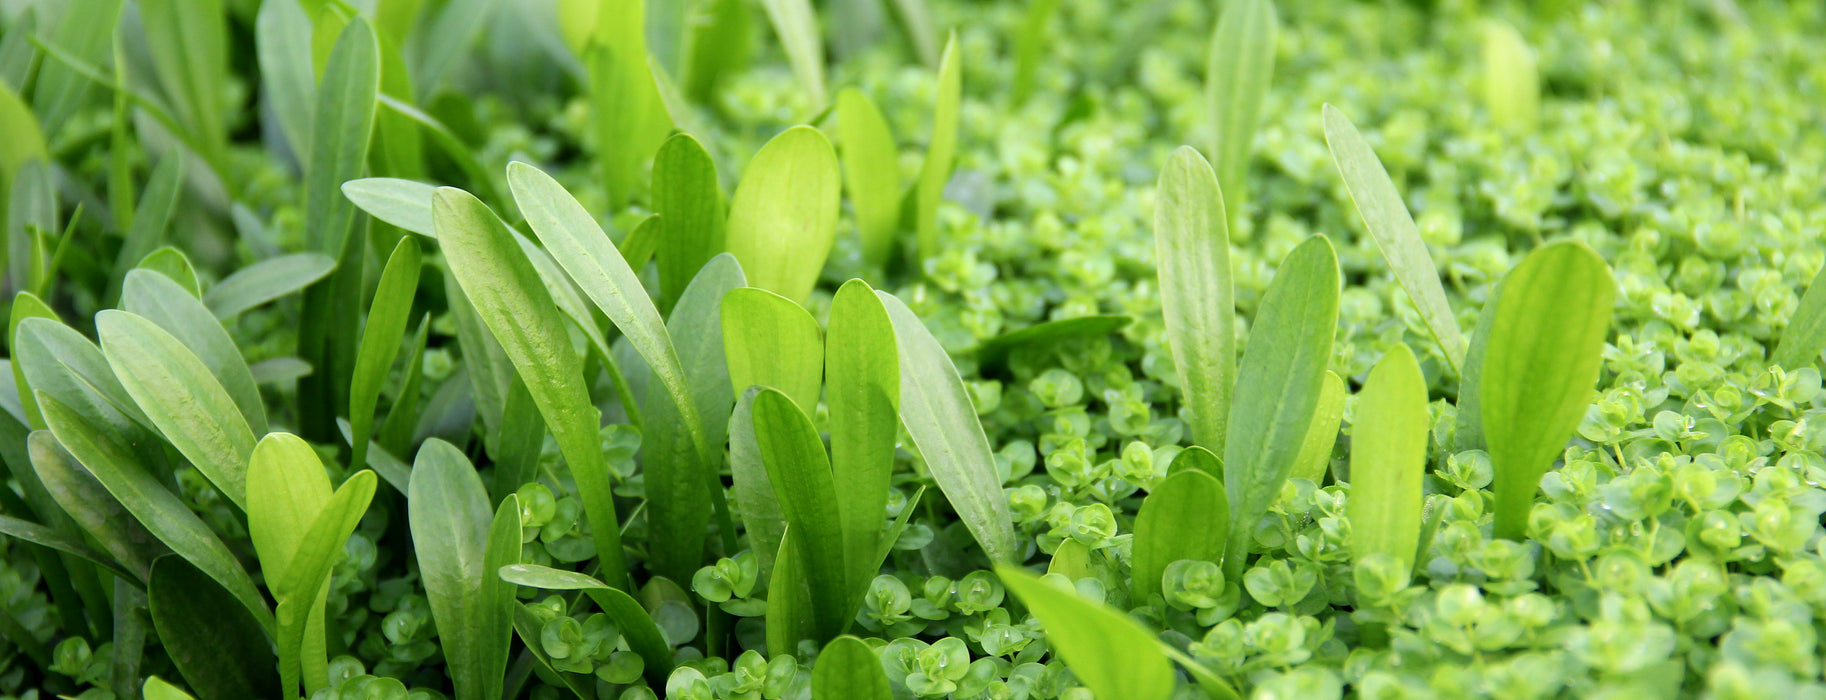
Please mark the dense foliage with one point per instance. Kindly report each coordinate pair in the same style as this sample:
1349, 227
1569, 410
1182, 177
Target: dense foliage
793, 350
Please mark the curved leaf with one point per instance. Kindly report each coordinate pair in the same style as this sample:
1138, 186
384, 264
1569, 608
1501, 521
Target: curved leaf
862, 369
1236, 81
1192, 257
1388, 459
848, 669
689, 200
380, 340
770, 340
637, 628
266, 281
935, 171
161, 301
795, 461
871, 173
1111, 654
783, 218
1327, 415
1186, 517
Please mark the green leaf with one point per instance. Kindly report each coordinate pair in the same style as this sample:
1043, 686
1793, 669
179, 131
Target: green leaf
789, 606
1186, 517
754, 492
266, 281
783, 219
995, 351
1236, 81
1192, 258
282, 40
801, 474
455, 537
402, 203
158, 299
24, 142
1805, 337
1110, 653
516, 449
721, 43
771, 341
34, 533
447, 38
848, 669
1201, 459
687, 197
642, 243
1540, 369
1327, 415
1511, 81
196, 621
156, 689
84, 30
942, 423
88, 503
1388, 221
915, 18
188, 40
637, 628
1279, 380
1470, 424
151, 218
287, 487
514, 304
181, 398
528, 626
402, 419
1388, 459
390, 468
871, 173
380, 340
862, 368
171, 262
303, 585
628, 111
797, 26
1028, 47
935, 171
62, 363
26, 305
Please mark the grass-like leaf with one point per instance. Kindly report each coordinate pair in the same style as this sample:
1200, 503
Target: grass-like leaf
1511, 80
862, 371
59, 361
871, 173
265, 281
1111, 654
796, 24
848, 669
1029, 46
188, 40
1315, 449
282, 41
1236, 81
26, 305
629, 113
1388, 459
1192, 259
771, 341
938, 415
793, 455
941, 150
1279, 380
171, 262
783, 218
380, 340
151, 217
514, 304
1186, 517
995, 351
130, 548
1805, 336
453, 534
1469, 430
1390, 224
160, 300
1541, 367
637, 627
789, 605
304, 580
687, 196
450, 34
754, 491
197, 621
84, 30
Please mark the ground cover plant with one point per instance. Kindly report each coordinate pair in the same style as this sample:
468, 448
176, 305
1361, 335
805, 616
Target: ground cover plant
978, 349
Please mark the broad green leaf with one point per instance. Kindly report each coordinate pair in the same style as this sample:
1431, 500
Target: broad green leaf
1315, 449
380, 340
754, 492
514, 304
862, 371
995, 351
871, 173
188, 40
26, 305
282, 40
1187, 516
935, 171
60, 362
637, 628
150, 218
116, 466
1511, 81
197, 621
287, 487
771, 341
801, 474
84, 30
160, 300
1279, 380
1028, 47
265, 281
451, 533
181, 398
1540, 368
1236, 81
402, 203
796, 24
848, 669
783, 218
156, 689
1388, 459
942, 423
305, 580
447, 38
789, 604
1201, 459
171, 262
628, 112
687, 196
1805, 337
1389, 223
1192, 259
90, 505
1110, 653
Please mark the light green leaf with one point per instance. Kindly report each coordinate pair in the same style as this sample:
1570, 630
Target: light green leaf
797, 26
150, 218
1187, 516
720, 45
1388, 458
915, 18
1192, 259
1315, 449
1469, 430
402, 203
512, 301
305, 580
282, 40
783, 218
265, 281
188, 40
1512, 82
1805, 337
172, 263
848, 669
1111, 654
995, 351
1540, 369
801, 474
447, 39
1279, 380
24, 142
287, 487
196, 620
789, 605
390, 468
60, 362
1389, 223
770, 340
451, 533
686, 195
935, 171
156, 689
27, 531
629, 114
85, 30
342, 126
161, 301
754, 492
942, 423
26, 305
1029, 46
871, 173
380, 340
1236, 81
1201, 459
862, 369
637, 628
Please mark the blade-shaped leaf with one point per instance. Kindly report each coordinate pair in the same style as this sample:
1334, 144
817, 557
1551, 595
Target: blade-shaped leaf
196, 621
1327, 415
282, 40
1279, 380
938, 415
59, 361
935, 171
637, 628
801, 474
287, 487
1511, 80
1187, 516
160, 300
1546, 346
1390, 224
848, 669
754, 492
1111, 654
789, 605
1028, 47
402, 203
265, 281
1388, 458
451, 532
1192, 256
862, 368
687, 196
871, 173
302, 587
26, 305
995, 351
150, 219
629, 113
783, 218
380, 341
188, 41
1236, 81
81, 495
1805, 336
797, 26
770, 340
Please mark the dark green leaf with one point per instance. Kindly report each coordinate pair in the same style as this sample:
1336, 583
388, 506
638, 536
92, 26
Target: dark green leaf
196, 621
451, 532
637, 628
862, 368
801, 474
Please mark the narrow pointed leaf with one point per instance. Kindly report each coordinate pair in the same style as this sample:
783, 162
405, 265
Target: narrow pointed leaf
797, 26
935, 171
783, 218
1236, 81
637, 628
81, 495
1192, 255
754, 492
687, 196
1327, 415
1805, 336
1388, 459
995, 351
266, 281
801, 474
871, 173
380, 340
862, 369
1111, 654
160, 300
451, 524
